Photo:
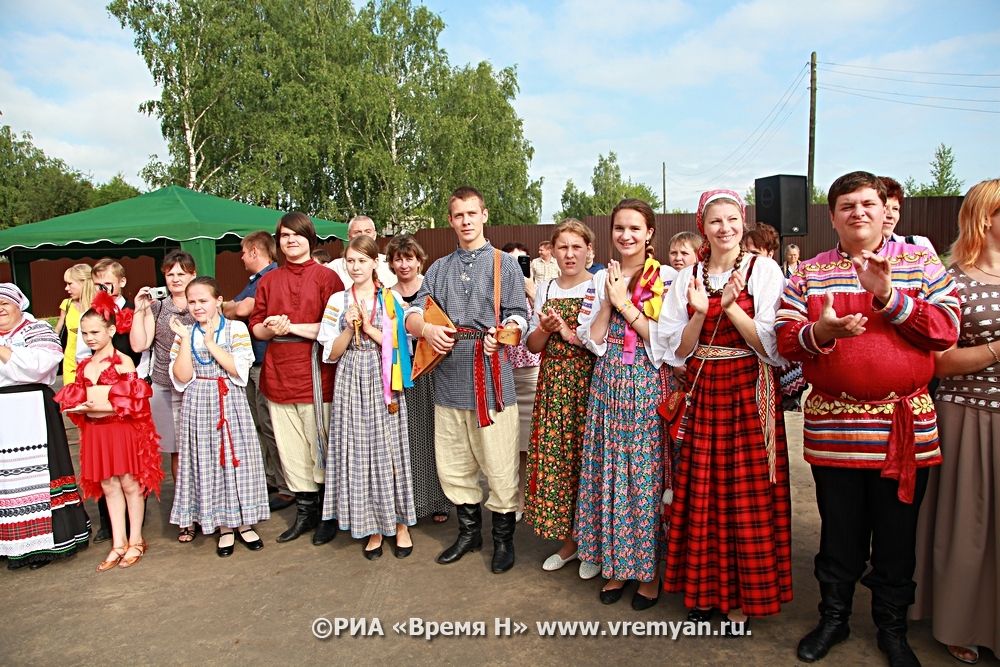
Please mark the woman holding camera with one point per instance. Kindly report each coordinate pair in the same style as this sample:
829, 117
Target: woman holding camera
151, 331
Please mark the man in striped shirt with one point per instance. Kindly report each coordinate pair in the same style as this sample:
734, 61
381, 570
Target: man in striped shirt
475, 421
865, 319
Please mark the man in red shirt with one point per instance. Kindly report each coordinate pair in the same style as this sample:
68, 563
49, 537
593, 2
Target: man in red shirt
865, 319
287, 309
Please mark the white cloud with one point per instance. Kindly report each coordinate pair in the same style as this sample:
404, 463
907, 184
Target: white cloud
594, 81
72, 79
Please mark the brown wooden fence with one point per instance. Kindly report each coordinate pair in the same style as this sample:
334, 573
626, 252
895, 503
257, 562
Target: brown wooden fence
933, 217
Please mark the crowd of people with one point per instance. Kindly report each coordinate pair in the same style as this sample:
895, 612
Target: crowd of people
644, 402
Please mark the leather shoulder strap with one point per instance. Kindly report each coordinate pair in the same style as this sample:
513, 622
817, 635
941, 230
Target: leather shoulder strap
496, 285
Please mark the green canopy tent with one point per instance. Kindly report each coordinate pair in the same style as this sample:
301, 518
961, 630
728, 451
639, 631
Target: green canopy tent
149, 224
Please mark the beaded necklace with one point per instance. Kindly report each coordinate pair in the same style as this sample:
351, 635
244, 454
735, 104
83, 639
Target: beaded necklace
218, 333
704, 273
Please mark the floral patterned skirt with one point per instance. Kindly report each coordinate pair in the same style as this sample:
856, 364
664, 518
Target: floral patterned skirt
621, 473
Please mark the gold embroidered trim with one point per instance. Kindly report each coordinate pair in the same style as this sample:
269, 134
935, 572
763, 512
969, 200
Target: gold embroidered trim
720, 352
848, 405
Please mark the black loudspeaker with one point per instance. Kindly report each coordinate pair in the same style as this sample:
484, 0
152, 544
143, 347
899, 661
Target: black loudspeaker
782, 203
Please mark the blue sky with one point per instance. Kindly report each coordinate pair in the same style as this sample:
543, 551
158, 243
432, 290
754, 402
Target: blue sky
714, 89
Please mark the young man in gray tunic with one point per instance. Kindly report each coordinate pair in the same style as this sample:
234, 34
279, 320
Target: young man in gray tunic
476, 426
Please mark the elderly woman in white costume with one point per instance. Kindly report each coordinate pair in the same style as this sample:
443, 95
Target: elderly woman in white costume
41, 514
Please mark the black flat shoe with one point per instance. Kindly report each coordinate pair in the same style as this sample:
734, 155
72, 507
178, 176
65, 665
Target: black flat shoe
733, 629
372, 554
255, 544
641, 603
612, 595
225, 551
38, 564
102, 535
402, 552
700, 615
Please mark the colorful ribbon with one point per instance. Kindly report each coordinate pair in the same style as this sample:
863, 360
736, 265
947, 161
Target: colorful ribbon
647, 296
396, 374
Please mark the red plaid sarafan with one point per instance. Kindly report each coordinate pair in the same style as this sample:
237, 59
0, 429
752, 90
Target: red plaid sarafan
729, 543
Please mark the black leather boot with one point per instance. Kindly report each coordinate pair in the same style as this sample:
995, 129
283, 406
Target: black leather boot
890, 619
834, 611
306, 516
327, 529
503, 541
470, 535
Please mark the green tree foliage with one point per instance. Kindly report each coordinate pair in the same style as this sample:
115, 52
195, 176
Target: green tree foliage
817, 196
575, 203
114, 190
329, 109
943, 182
206, 56
34, 186
609, 188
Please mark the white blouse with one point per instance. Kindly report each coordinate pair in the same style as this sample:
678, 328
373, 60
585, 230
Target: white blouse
549, 289
334, 321
766, 284
594, 300
240, 348
35, 354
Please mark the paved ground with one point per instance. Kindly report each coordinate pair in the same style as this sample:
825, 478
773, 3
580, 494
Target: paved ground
182, 604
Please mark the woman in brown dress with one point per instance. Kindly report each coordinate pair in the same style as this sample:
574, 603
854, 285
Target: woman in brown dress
958, 536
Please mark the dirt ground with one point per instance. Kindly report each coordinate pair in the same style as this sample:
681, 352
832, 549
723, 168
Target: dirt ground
182, 604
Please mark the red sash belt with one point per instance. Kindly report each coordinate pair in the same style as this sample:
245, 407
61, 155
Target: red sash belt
223, 425
900, 457
901, 460
479, 375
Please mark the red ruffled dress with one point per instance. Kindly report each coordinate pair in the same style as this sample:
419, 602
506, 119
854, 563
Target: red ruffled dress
125, 442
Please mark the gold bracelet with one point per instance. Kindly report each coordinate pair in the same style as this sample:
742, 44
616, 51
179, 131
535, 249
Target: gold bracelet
989, 346
621, 307
635, 319
424, 329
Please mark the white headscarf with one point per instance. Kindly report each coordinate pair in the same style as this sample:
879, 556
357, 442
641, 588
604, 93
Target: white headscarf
12, 293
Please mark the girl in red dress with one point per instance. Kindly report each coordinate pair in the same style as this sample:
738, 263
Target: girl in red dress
729, 542
119, 450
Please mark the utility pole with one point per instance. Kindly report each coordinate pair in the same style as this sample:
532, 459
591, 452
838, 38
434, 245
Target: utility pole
812, 128
664, 188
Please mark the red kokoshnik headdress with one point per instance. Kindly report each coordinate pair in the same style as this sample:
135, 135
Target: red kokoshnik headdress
104, 305
707, 198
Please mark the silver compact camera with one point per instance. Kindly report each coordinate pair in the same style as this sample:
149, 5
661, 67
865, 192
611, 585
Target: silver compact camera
157, 292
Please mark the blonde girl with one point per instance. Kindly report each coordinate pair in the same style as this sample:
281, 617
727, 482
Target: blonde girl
80, 288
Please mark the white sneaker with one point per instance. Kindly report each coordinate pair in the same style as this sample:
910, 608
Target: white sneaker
589, 570
556, 562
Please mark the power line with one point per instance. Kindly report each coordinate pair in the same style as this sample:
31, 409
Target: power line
926, 83
775, 110
912, 104
925, 97
760, 144
749, 157
904, 71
